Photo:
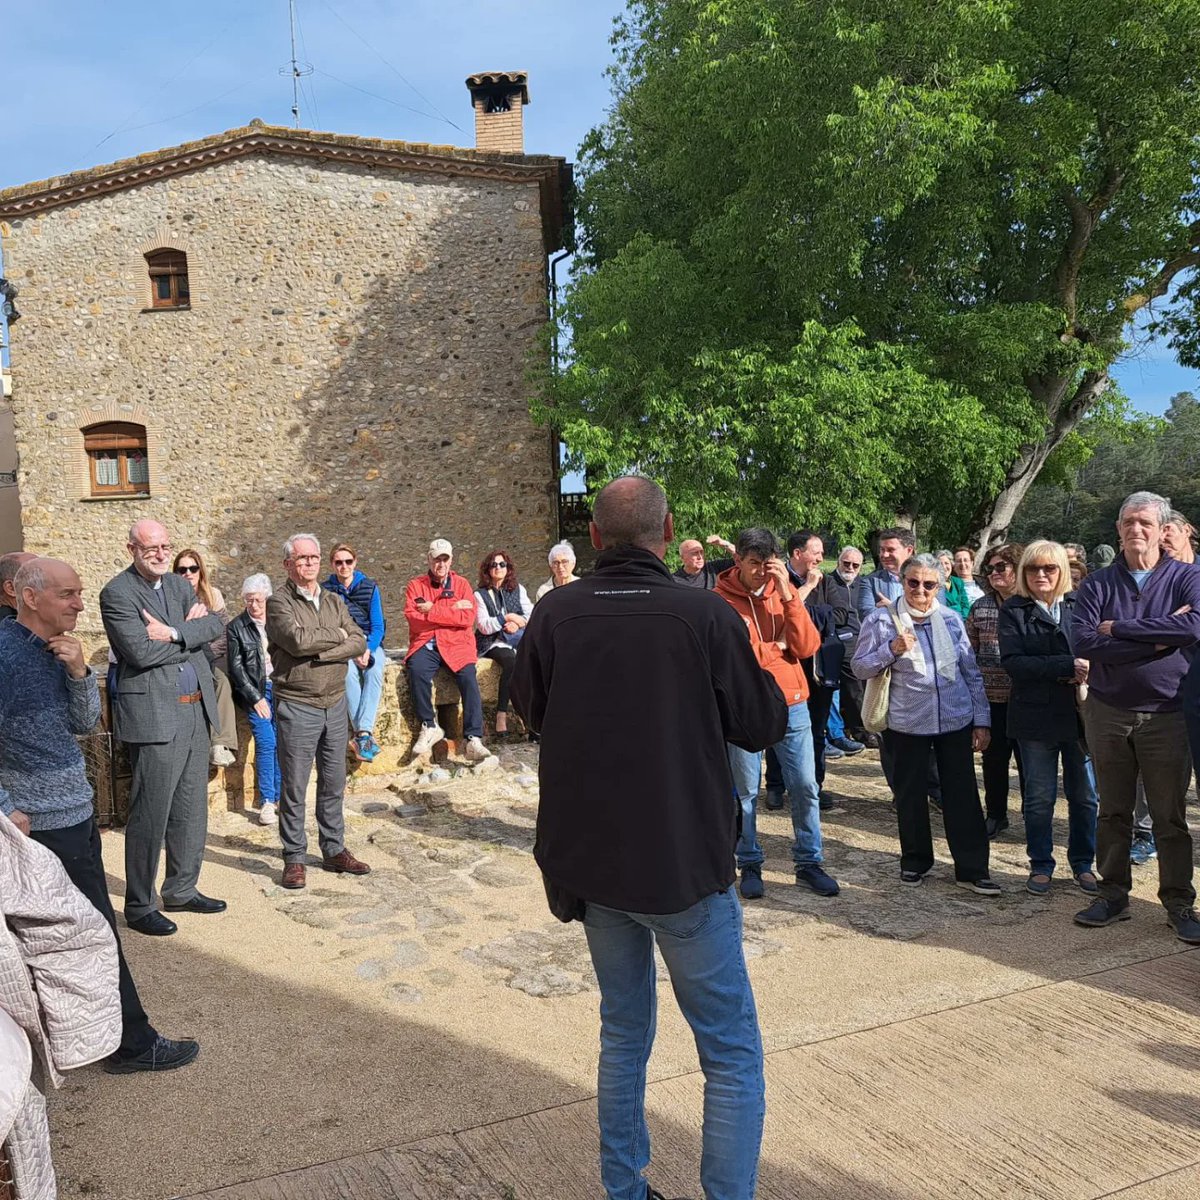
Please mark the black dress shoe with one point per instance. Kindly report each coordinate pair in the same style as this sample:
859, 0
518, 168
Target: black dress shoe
154, 924
162, 1055
198, 904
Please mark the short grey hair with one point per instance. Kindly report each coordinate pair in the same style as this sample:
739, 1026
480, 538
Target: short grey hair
558, 550
32, 575
11, 563
631, 511
257, 583
928, 562
851, 550
1139, 500
290, 545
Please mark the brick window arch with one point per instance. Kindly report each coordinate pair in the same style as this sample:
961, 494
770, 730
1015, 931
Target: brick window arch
117, 461
168, 279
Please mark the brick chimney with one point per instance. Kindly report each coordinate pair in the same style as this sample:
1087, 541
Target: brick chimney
498, 97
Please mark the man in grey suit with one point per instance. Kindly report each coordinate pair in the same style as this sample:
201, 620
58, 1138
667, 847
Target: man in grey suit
165, 704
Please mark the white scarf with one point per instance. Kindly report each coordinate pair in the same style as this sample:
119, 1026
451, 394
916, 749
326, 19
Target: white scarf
945, 653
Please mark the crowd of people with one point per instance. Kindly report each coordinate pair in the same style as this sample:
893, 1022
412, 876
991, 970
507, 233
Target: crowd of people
1032, 657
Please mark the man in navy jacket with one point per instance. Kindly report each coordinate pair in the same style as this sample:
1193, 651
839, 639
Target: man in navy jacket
1138, 623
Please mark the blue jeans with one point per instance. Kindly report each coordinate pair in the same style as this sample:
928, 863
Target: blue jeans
702, 947
797, 760
364, 687
266, 758
1040, 762
836, 727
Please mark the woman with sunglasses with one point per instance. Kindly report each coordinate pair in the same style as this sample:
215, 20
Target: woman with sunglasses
936, 703
1000, 578
502, 608
190, 565
1043, 715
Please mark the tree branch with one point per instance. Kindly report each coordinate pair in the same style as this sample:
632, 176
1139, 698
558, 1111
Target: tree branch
1160, 283
1084, 218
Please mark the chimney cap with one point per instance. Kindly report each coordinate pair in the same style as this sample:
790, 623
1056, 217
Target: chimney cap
507, 81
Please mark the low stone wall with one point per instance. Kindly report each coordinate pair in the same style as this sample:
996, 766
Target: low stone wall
396, 729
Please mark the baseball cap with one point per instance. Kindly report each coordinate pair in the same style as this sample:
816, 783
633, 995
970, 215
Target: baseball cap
440, 546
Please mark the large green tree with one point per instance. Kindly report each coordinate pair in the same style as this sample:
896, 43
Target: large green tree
847, 258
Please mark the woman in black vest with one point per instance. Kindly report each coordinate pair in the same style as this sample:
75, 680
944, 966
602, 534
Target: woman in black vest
501, 609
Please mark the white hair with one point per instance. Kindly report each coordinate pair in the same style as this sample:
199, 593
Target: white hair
1139, 500
850, 550
32, 575
290, 545
257, 583
928, 562
559, 550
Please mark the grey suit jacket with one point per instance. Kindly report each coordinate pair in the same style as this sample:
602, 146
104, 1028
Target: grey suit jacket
148, 672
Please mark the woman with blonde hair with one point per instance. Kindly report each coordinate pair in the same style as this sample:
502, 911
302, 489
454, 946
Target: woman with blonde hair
190, 564
1043, 716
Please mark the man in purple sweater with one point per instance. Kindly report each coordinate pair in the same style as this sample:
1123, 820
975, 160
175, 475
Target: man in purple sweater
1138, 622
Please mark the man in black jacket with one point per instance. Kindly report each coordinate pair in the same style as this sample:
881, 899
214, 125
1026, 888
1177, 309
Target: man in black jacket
624, 676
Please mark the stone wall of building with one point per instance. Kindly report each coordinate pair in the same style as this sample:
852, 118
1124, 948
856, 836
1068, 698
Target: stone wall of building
354, 363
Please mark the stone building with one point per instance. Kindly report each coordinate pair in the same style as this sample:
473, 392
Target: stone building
272, 330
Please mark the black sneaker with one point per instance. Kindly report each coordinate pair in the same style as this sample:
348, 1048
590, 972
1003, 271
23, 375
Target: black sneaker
814, 877
911, 878
824, 801
774, 800
983, 887
1187, 928
996, 826
1103, 912
654, 1194
163, 1055
751, 886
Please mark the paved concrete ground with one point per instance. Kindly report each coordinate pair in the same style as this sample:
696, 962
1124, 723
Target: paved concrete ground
430, 1030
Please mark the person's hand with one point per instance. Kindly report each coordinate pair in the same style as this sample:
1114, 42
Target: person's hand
263, 709
1082, 666
813, 577
20, 820
461, 604
777, 571
1105, 628
882, 602
197, 611
903, 642
423, 605
1186, 608
981, 739
715, 539
156, 631
364, 659
69, 652
518, 621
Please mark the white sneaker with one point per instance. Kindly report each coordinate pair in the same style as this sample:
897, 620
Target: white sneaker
429, 737
475, 750
222, 756
267, 814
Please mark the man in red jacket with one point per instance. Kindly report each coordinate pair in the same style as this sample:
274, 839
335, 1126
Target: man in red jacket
440, 609
782, 634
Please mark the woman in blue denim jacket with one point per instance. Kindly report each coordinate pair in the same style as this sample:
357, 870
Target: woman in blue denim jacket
936, 704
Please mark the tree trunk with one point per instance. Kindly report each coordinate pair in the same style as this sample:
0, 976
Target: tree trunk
993, 518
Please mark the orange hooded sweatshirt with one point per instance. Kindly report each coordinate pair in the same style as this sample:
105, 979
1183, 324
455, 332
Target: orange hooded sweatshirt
780, 634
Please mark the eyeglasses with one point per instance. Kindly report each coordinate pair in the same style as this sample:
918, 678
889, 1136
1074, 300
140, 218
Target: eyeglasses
187, 569
851, 566
343, 562
299, 558
996, 568
1041, 569
930, 585
165, 548
498, 565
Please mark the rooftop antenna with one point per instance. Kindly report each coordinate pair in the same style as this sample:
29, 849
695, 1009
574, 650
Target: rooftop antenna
296, 69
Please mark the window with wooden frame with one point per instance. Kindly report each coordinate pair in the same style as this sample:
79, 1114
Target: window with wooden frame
117, 462
168, 279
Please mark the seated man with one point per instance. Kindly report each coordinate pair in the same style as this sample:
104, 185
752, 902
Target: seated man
440, 609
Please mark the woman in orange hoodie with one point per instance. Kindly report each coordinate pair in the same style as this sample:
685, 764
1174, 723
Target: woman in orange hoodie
781, 634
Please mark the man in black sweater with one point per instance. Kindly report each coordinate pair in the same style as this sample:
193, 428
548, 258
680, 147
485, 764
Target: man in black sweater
624, 676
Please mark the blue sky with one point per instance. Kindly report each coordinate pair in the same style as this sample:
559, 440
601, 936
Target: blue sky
86, 83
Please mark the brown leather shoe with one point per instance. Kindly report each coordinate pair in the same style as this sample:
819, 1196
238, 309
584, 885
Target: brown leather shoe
293, 875
345, 863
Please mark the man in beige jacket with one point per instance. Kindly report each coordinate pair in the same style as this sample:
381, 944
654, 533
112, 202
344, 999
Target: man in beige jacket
311, 636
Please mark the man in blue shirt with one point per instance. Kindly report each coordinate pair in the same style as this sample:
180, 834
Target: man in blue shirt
48, 696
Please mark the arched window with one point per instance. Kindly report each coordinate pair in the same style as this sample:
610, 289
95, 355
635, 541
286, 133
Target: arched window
117, 462
168, 279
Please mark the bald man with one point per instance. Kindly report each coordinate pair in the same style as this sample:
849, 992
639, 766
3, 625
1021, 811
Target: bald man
10, 564
165, 705
697, 573
48, 696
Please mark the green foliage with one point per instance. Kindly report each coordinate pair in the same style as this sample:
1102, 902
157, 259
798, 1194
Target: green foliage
842, 260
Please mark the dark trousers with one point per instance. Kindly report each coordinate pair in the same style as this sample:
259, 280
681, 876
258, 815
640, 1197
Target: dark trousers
887, 760
78, 849
1124, 743
422, 667
819, 703
961, 811
995, 766
851, 699
506, 659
